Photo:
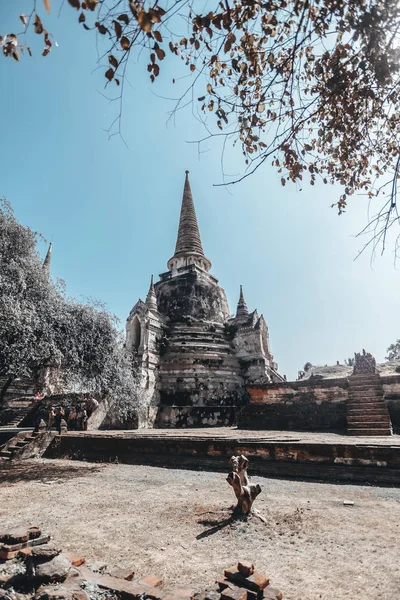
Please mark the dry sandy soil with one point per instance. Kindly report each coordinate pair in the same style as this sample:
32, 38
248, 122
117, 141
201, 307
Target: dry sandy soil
176, 523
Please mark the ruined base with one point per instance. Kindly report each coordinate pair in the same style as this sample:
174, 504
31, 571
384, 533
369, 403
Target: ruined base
327, 457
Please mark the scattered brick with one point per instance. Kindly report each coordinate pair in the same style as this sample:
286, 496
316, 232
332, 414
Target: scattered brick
8, 551
255, 583
128, 589
45, 551
152, 581
77, 561
245, 568
19, 535
25, 552
272, 594
154, 593
222, 583
234, 594
126, 574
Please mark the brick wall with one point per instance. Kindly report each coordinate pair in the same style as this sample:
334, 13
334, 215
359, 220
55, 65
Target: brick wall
297, 406
318, 405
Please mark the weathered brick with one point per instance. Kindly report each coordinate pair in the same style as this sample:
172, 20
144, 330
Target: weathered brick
8, 551
129, 590
122, 573
152, 581
154, 593
236, 593
222, 583
272, 594
256, 582
245, 568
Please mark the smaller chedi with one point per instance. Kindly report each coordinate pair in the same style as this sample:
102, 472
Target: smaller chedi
195, 359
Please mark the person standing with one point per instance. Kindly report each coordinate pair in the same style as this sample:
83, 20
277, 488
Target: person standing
58, 418
84, 420
51, 418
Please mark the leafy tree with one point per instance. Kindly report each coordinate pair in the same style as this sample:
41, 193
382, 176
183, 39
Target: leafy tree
311, 86
394, 351
349, 362
40, 327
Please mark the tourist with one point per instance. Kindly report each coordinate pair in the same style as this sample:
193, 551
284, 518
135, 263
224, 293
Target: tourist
71, 419
58, 418
84, 419
78, 419
51, 418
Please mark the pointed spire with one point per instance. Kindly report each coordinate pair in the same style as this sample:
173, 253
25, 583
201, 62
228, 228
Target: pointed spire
47, 260
151, 298
242, 310
188, 242
188, 239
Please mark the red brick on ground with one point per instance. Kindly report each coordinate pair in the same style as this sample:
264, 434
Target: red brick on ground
128, 589
245, 568
222, 583
272, 594
152, 581
256, 582
234, 594
122, 573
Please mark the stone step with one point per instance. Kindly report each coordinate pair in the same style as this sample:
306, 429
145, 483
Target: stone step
354, 412
365, 387
377, 423
366, 405
360, 402
362, 376
5, 453
366, 398
13, 449
368, 392
369, 432
352, 418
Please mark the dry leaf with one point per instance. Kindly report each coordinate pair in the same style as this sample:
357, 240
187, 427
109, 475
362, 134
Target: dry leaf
125, 44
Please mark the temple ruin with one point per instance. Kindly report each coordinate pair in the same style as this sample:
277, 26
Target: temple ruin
194, 357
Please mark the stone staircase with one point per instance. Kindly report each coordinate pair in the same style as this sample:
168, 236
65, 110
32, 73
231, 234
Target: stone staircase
367, 412
27, 444
17, 444
20, 407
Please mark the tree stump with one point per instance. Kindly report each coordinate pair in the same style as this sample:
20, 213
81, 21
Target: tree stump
245, 491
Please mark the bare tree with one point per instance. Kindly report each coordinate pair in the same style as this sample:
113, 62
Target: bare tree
245, 491
311, 86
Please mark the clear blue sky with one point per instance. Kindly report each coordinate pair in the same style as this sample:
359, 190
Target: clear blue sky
112, 212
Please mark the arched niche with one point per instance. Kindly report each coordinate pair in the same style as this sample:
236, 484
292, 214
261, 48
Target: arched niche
136, 333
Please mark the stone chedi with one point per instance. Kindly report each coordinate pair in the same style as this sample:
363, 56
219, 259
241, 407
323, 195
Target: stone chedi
195, 359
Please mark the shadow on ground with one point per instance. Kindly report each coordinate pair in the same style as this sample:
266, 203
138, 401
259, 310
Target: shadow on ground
46, 472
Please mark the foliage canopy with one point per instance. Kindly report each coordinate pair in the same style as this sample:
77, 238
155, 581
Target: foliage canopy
40, 327
311, 86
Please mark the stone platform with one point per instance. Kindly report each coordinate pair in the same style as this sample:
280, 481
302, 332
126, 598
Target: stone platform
328, 457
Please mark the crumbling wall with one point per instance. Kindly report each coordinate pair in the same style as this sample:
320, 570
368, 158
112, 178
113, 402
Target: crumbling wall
310, 405
192, 294
297, 406
391, 388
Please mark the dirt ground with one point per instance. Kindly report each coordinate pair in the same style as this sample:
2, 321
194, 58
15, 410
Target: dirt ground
176, 523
